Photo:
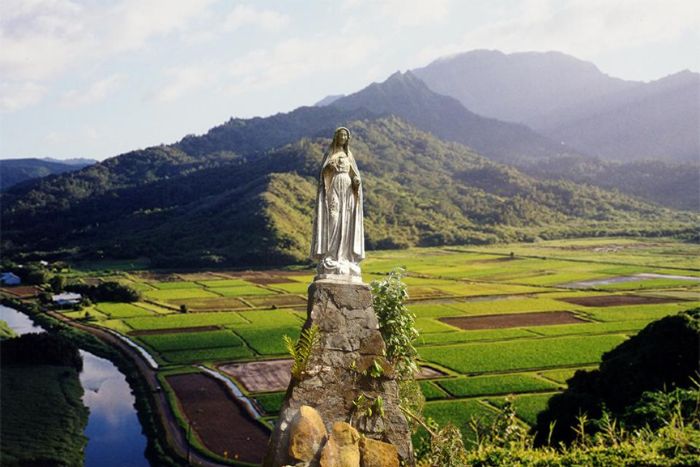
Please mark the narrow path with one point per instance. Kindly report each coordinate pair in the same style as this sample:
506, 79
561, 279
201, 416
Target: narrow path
176, 436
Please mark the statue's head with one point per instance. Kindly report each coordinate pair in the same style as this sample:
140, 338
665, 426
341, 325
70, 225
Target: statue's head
341, 139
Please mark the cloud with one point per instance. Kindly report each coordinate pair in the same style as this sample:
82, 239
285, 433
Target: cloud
295, 58
97, 91
402, 12
183, 81
585, 28
17, 96
41, 38
243, 15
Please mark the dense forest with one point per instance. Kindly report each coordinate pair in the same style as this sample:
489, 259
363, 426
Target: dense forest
224, 208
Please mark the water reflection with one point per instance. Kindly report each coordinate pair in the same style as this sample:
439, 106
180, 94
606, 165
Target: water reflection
113, 430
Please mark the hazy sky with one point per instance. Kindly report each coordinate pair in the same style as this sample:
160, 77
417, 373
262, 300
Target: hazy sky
97, 78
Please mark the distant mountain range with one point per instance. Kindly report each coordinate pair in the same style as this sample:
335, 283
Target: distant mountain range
204, 210
14, 171
571, 101
242, 193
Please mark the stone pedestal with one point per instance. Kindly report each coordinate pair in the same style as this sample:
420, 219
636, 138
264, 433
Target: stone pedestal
342, 367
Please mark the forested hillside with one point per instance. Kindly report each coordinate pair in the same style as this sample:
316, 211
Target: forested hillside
179, 209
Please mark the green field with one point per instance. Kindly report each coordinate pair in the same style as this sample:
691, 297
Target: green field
243, 321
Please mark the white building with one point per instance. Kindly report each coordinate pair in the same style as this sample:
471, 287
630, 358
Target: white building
66, 298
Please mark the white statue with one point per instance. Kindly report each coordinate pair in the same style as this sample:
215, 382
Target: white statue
338, 241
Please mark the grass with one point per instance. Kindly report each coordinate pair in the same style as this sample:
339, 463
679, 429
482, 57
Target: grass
224, 283
431, 391
501, 384
271, 402
429, 325
242, 291
179, 294
591, 328
526, 406
184, 320
175, 285
472, 336
43, 417
191, 340
121, 310
560, 376
268, 340
459, 413
521, 354
207, 355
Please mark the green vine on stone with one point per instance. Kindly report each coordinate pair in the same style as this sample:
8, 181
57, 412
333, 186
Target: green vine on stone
396, 322
300, 350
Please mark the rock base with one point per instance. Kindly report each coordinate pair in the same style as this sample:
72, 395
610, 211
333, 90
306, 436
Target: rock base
347, 378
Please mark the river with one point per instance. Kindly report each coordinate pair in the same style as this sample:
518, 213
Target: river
115, 437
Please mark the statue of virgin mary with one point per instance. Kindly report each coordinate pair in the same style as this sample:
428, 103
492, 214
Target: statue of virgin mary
338, 241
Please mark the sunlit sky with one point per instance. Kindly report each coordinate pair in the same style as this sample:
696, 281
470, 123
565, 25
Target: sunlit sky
97, 78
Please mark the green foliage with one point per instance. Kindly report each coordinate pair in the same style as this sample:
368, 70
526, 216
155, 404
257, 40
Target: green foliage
396, 322
40, 349
57, 283
43, 418
300, 351
192, 340
213, 209
109, 291
271, 403
6, 331
663, 355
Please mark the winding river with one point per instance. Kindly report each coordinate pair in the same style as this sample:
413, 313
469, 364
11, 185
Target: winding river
115, 437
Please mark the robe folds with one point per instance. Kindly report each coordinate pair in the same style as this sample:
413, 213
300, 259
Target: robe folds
331, 227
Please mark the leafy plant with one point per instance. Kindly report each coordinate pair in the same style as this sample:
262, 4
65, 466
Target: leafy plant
300, 350
396, 322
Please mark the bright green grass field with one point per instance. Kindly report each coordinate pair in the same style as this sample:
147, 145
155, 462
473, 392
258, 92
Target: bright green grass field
501, 384
472, 336
177, 294
205, 355
270, 402
185, 320
272, 318
191, 340
175, 285
590, 328
121, 310
292, 287
561, 376
459, 413
431, 391
268, 340
429, 325
521, 354
527, 406
225, 283
242, 291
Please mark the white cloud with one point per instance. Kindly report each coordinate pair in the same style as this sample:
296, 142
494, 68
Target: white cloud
41, 38
295, 58
17, 96
183, 81
96, 92
402, 12
584, 28
244, 15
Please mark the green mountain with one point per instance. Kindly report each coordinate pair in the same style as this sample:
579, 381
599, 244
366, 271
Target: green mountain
670, 184
181, 210
14, 171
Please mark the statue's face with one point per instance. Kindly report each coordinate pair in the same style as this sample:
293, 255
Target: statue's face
343, 137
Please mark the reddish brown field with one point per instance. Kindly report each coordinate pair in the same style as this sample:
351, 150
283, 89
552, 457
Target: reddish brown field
21, 291
265, 376
274, 375
619, 300
219, 421
513, 320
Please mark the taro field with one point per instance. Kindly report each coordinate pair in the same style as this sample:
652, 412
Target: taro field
510, 319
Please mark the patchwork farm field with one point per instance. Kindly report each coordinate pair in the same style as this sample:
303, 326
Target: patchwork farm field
495, 320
